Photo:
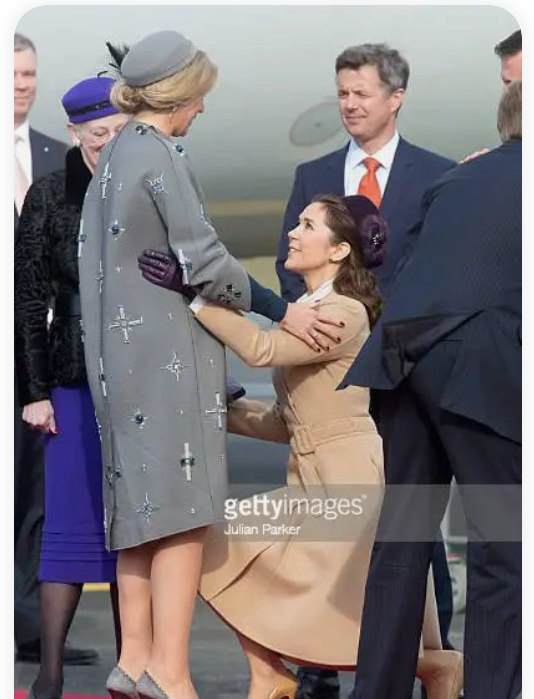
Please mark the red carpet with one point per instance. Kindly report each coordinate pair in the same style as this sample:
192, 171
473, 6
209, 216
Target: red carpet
22, 694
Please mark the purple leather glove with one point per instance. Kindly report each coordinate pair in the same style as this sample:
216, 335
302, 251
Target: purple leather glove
163, 270
234, 390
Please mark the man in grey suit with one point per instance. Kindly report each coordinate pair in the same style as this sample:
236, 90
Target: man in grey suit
36, 155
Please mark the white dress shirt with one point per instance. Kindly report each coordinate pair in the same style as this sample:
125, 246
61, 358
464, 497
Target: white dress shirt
23, 151
355, 169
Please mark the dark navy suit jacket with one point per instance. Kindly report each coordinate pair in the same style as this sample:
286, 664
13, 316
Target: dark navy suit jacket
48, 155
413, 171
463, 280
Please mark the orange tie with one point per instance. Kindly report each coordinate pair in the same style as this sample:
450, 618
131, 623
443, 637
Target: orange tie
369, 186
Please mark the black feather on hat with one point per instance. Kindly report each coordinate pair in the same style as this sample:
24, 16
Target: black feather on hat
118, 53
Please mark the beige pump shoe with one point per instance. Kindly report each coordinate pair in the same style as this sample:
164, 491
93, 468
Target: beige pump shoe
286, 687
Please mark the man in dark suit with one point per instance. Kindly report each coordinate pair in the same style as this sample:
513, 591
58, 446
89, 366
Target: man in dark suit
371, 82
36, 155
510, 51
446, 359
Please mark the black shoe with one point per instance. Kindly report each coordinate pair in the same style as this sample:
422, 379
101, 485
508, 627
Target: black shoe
31, 653
315, 683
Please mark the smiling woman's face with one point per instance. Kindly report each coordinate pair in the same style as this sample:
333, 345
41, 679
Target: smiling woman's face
310, 245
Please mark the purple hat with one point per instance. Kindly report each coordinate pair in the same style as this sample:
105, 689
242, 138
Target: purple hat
372, 227
89, 99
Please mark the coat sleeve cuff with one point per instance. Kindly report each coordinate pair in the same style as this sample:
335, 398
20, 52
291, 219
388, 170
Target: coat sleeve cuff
197, 304
265, 302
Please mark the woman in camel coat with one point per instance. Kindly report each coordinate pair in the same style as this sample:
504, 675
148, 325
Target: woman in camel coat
293, 586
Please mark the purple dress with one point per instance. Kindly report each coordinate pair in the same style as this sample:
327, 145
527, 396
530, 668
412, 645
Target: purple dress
73, 549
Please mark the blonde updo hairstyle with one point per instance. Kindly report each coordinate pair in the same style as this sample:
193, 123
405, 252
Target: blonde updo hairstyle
187, 85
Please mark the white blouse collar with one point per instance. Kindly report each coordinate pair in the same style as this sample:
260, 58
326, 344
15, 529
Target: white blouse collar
319, 294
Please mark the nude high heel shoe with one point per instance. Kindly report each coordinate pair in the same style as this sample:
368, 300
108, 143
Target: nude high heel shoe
285, 688
442, 673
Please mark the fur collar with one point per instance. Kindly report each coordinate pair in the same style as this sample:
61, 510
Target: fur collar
77, 177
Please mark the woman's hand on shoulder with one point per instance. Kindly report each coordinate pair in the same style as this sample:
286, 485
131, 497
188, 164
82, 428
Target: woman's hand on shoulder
40, 416
310, 324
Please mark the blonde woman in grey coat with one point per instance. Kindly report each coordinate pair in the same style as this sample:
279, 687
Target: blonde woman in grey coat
157, 377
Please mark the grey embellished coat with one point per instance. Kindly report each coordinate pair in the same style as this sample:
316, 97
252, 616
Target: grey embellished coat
156, 375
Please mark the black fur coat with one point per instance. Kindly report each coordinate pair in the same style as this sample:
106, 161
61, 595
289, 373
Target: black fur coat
46, 267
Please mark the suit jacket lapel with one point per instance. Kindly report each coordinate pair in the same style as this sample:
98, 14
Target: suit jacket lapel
335, 173
38, 156
398, 176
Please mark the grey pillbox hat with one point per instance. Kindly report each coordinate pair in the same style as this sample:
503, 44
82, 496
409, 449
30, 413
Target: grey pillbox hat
155, 57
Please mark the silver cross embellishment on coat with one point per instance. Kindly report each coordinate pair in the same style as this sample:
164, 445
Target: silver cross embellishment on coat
139, 418
187, 461
147, 509
112, 474
81, 239
104, 180
176, 367
100, 277
102, 378
219, 410
229, 294
157, 185
124, 324
185, 265
116, 230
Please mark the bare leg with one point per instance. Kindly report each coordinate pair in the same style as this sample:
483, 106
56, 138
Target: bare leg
133, 577
441, 672
175, 574
266, 668
114, 594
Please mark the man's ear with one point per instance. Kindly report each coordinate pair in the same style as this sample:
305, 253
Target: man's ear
397, 98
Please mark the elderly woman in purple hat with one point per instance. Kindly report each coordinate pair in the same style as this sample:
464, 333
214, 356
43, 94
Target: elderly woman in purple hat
265, 571
52, 379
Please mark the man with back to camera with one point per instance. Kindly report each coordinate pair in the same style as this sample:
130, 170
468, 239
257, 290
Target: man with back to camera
447, 368
35, 155
371, 81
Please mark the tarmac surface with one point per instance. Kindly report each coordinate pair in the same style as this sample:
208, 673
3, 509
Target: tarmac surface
218, 666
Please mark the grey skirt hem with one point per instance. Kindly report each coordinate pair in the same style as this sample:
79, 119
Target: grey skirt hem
159, 536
